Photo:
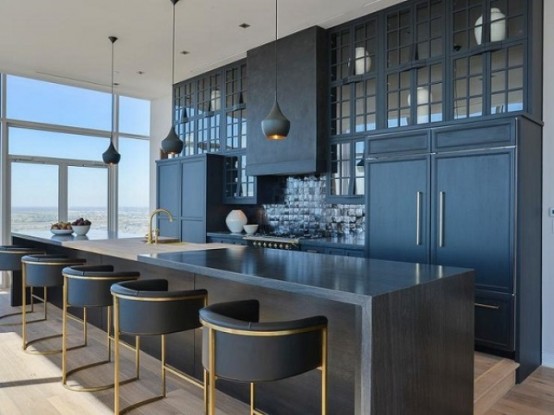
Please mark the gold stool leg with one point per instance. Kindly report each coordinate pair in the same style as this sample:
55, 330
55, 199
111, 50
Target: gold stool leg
211, 374
324, 372
252, 398
116, 363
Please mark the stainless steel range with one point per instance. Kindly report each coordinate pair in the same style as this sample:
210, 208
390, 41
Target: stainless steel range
290, 243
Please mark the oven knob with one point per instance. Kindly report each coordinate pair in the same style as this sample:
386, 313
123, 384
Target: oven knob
281, 246
265, 244
255, 244
287, 246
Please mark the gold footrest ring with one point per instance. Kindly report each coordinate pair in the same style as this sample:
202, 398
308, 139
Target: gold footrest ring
48, 352
92, 388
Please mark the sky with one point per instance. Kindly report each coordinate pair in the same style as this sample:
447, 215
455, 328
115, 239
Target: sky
44, 102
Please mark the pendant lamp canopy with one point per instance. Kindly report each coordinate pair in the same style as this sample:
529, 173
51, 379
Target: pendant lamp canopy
111, 156
172, 145
276, 126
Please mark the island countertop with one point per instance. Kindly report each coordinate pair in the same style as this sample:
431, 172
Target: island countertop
340, 278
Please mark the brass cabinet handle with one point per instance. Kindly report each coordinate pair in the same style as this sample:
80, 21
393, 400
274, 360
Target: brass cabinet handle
418, 218
487, 306
441, 219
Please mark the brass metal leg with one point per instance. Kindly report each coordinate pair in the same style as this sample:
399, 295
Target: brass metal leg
116, 347
324, 371
23, 303
252, 398
211, 378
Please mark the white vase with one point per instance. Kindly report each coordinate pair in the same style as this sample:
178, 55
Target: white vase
363, 61
215, 102
423, 98
498, 27
235, 220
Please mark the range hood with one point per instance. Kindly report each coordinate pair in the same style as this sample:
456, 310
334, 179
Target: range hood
302, 94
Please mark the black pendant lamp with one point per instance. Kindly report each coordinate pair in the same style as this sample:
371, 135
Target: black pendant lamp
276, 126
111, 156
171, 144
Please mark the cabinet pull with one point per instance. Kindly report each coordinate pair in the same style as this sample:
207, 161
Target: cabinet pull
441, 219
418, 218
487, 306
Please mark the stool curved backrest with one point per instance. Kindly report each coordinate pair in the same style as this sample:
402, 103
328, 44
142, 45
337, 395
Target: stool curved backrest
249, 351
10, 256
89, 285
146, 307
45, 270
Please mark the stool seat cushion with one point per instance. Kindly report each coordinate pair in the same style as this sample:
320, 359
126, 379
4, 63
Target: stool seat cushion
146, 307
89, 285
263, 351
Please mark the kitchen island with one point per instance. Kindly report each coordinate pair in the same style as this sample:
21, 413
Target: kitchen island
400, 334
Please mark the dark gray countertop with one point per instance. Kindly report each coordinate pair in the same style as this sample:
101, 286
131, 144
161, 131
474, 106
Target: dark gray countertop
345, 279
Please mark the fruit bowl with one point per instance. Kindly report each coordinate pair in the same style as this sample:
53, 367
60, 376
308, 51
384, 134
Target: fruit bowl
61, 231
80, 229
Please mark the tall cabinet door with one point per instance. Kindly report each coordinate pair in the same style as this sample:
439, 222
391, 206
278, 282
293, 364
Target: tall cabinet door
193, 200
398, 208
472, 226
168, 188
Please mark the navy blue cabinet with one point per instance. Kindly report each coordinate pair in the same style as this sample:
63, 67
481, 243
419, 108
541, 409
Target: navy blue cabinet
192, 189
472, 201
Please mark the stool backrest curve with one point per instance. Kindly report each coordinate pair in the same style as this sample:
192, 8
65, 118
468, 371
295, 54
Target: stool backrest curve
248, 351
10, 256
89, 285
46, 270
145, 308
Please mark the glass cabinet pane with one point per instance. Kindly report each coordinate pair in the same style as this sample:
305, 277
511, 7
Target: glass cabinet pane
237, 183
507, 80
359, 169
399, 38
340, 54
340, 169
365, 44
340, 110
468, 87
398, 104
365, 105
429, 29
236, 129
429, 94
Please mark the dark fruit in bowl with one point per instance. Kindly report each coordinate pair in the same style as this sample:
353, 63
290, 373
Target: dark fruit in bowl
81, 222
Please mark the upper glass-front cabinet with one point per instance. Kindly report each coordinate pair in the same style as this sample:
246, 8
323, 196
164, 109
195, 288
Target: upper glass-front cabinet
488, 55
353, 79
415, 65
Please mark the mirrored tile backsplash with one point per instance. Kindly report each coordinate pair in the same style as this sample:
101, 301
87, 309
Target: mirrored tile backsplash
305, 211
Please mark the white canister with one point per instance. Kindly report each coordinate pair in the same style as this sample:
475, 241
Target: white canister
498, 26
363, 61
235, 220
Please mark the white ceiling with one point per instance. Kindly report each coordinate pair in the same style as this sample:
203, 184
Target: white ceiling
67, 40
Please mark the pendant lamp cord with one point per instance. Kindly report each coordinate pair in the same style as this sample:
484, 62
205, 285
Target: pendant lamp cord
173, 49
113, 39
275, 49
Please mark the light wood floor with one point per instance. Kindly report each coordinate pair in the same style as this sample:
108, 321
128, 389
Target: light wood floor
31, 384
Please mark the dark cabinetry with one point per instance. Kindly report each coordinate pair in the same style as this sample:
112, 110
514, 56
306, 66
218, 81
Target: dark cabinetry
191, 188
302, 95
473, 202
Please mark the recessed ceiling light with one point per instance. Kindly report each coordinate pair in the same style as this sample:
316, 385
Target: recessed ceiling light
140, 72
244, 25
185, 52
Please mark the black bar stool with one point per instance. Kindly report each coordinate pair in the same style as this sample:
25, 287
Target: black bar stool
42, 270
10, 260
89, 286
146, 307
237, 347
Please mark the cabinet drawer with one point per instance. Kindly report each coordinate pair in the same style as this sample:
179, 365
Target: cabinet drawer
494, 320
474, 135
408, 143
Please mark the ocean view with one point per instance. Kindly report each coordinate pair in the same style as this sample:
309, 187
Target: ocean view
131, 219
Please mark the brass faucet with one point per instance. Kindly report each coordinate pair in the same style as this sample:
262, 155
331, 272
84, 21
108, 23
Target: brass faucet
156, 231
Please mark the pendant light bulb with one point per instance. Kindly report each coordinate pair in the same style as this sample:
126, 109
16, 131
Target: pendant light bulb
172, 145
111, 156
276, 126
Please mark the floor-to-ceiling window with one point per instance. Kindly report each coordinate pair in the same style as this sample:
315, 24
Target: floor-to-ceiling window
53, 138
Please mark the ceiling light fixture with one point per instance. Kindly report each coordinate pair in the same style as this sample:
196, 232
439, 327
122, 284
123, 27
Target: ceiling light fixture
171, 144
111, 156
276, 126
